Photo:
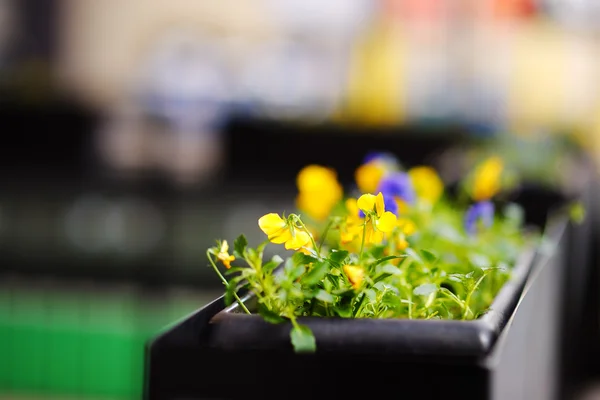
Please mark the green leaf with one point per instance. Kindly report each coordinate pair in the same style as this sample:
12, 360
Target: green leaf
425, 289
414, 255
231, 289
303, 339
271, 265
429, 256
324, 296
239, 246
371, 295
337, 257
316, 273
384, 259
295, 272
390, 269
269, 315
301, 258
233, 270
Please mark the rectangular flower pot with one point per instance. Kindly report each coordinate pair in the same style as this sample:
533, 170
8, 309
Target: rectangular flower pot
509, 353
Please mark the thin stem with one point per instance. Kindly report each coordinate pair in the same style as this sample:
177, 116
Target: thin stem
240, 302
324, 236
468, 299
362, 244
312, 240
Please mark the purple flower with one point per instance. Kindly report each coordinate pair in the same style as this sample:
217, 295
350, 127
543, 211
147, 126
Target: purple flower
383, 157
483, 212
397, 184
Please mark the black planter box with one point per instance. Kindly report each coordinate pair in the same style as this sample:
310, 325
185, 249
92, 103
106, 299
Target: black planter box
510, 353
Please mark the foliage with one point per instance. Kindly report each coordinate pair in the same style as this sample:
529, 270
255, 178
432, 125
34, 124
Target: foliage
404, 250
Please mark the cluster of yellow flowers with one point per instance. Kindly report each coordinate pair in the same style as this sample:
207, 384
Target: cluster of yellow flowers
381, 212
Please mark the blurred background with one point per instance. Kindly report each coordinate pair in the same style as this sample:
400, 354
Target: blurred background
138, 132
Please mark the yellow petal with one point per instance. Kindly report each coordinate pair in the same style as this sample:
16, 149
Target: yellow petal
401, 243
315, 178
224, 247
368, 175
487, 179
379, 204
427, 183
407, 226
355, 275
300, 239
373, 236
386, 222
271, 223
226, 259
366, 202
281, 236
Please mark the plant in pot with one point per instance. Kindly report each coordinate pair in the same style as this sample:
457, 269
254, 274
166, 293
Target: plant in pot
396, 247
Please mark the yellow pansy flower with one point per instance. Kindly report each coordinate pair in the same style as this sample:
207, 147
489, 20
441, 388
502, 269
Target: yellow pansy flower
368, 175
275, 227
427, 183
486, 181
281, 231
378, 221
318, 191
224, 256
406, 228
355, 274
354, 223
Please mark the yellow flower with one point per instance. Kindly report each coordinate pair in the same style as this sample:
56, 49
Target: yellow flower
275, 227
487, 179
224, 256
378, 220
427, 183
368, 175
401, 243
355, 275
406, 226
281, 231
318, 190
299, 239
354, 223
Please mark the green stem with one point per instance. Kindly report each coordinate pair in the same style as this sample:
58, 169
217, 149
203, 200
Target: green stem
362, 244
324, 236
237, 298
312, 240
467, 309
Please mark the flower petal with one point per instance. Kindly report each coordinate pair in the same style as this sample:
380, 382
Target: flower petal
386, 223
281, 236
355, 275
271, 223
224, 247
366, 202
368, 175
379, 204
300, 239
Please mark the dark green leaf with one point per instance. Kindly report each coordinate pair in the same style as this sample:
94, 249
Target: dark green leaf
338, 257
233, 270
429, 256
270, 316
316, 273
324, 296
239, 246
344, 292
344, 311
271, 265
303, 339
425, 289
